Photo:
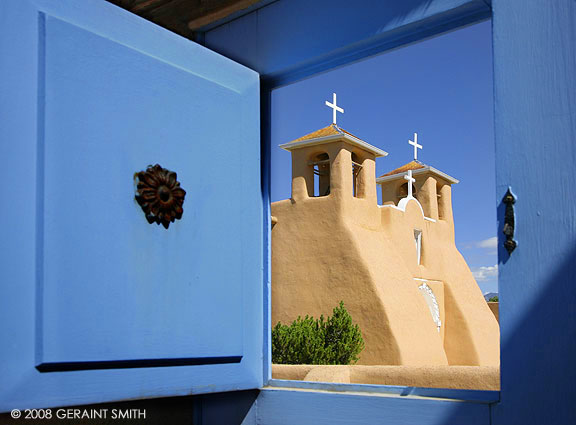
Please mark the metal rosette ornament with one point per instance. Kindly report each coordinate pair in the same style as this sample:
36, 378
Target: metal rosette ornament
159, 194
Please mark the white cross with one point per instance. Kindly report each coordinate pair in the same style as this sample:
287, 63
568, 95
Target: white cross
416, 145
334, 108
410, 181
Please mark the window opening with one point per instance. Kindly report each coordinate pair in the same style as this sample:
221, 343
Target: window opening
321, 166
356, 169
418, 241
403, 191
317, 246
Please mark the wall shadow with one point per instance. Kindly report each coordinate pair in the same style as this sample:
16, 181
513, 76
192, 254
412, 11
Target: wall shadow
538, 355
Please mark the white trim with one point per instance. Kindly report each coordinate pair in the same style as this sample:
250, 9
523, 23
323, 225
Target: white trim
391, 206
404, 209
404, 202
450, 179
427, 280
327, 139
434, 308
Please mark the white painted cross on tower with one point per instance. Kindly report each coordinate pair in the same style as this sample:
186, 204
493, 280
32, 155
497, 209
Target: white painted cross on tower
334, 107
416, 146
410, 181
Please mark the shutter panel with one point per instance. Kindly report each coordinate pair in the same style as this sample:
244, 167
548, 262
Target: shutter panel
99, 304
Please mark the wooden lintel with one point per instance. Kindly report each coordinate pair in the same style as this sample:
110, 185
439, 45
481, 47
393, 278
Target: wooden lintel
212, 17
324, 161
146, 5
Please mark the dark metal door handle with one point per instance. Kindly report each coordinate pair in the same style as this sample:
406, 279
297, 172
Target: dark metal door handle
508, 230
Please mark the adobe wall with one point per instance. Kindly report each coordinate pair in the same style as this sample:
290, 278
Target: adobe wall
495, 310
454, 377
338, 247
471, 331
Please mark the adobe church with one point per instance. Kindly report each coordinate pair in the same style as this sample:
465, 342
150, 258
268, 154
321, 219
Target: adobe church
395, 265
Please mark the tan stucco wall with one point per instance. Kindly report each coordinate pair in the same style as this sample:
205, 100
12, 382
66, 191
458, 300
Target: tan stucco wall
455, 377
427, 191
494, 308
338, 247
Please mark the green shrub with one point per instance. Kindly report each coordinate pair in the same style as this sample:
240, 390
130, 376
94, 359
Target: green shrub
335, 340
493, 299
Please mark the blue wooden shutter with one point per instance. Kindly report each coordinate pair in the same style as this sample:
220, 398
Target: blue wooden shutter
97, 304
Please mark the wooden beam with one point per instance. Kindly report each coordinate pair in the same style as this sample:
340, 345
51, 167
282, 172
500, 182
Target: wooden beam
184, 16
221, 13
146, 5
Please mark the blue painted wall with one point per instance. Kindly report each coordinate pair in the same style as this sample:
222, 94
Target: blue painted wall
535, 127
284, 407
291, 39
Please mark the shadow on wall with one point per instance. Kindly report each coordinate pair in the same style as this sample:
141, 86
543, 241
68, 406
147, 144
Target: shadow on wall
226, 408
540, 352
538, 369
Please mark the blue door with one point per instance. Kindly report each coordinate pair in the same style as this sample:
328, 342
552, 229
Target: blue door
98, 303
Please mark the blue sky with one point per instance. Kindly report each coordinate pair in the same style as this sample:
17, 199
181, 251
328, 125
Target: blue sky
440, 88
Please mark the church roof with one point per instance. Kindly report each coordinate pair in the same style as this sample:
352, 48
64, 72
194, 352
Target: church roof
412, 165
417, 167
329, 134
330, 130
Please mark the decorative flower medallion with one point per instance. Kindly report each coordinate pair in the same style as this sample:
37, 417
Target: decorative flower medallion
159, 194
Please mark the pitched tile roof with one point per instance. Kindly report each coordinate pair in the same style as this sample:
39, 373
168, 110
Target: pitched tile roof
330, 134
331, 130
413, 165
418, 168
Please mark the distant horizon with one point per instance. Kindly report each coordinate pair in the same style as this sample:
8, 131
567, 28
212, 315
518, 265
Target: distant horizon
441, 89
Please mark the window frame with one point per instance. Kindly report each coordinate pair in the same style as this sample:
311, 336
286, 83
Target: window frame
268, 84
523, 118
281, 63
